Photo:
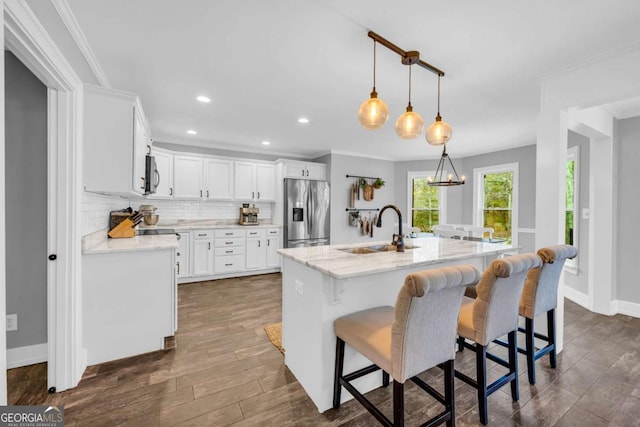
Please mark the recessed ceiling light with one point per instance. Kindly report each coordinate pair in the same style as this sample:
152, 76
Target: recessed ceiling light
265, 143
191, 132
303, 120
203, 98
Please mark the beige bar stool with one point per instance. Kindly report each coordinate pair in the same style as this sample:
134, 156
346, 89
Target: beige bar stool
407, 340
540, 295
492, 314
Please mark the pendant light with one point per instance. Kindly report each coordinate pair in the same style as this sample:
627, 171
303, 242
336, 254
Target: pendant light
409, 124
373, 112
438, 132
451, 179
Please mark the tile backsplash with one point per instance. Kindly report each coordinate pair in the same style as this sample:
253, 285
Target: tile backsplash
96, 208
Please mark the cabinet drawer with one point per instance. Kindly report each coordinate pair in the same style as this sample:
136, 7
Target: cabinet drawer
256, 233
202, 234
273, 232
231, 250
223, 234
221, 243
227, 264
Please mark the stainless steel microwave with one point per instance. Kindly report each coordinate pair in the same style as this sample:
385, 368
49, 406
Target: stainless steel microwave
151, 175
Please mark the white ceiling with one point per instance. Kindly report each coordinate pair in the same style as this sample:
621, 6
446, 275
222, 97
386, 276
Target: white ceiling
266, 63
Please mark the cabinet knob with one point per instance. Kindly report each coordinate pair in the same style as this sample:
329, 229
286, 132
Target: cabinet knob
171, 191
258, 194
207, 193
209, 245
200, 193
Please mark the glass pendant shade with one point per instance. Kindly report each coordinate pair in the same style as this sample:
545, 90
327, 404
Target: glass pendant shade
373, 112
438, 132
409, 124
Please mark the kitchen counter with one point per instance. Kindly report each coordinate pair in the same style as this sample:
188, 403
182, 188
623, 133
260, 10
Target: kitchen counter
323, 283
99, 243
188, 225
334, 261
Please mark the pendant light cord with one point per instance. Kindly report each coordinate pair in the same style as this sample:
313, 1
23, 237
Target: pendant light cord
374, 65
411, 65
438, 94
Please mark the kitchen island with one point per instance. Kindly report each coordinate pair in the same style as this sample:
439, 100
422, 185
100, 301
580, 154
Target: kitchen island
322, 283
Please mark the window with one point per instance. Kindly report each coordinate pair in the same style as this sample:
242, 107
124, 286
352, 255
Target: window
426, 204
496, 200
571, 205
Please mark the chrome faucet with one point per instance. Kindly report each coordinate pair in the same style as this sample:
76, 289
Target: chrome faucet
398, 239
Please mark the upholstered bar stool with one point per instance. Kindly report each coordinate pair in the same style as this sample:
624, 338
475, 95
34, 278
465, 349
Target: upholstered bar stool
407, 340
540, 295
492, 314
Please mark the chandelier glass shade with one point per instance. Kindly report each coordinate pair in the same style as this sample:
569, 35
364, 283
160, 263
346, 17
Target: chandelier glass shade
439, 132
374, 112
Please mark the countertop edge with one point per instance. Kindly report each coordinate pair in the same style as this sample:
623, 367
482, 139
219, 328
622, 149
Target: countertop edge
98, 243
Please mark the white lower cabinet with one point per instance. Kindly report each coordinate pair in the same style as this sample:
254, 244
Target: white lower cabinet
230, 247
256, 249
203, 253
183, 258
273, 244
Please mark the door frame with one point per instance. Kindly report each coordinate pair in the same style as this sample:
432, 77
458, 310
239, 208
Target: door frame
29, 42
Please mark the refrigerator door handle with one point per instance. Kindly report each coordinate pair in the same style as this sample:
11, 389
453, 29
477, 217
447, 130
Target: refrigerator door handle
307, 208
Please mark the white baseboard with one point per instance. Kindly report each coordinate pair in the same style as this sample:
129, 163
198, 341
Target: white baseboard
576, 296
27, 355
625, 307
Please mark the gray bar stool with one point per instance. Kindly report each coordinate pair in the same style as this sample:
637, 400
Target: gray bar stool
407, 340
492, 314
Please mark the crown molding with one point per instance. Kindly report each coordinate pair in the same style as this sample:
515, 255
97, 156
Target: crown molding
69, 20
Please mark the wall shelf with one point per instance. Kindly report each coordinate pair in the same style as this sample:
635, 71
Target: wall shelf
363, 209
365, 177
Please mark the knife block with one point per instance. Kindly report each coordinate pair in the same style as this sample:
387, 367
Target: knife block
123, 229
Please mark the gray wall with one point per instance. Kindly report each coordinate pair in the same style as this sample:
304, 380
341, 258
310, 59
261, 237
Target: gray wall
628, 211
26, 202
579, 282
342, 165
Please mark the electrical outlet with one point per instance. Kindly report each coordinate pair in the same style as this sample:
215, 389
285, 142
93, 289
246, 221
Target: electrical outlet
12, 322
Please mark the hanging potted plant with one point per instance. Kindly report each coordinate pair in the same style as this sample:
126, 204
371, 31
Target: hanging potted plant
378, 183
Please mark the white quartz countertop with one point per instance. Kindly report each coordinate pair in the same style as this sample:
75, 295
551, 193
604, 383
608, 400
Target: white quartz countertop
188, 225
333, 261
99, 243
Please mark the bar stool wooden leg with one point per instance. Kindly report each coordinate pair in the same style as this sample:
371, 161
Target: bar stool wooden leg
513, 364
449, 398
337, 388
531, 349
398, 404
481, 378
551, 333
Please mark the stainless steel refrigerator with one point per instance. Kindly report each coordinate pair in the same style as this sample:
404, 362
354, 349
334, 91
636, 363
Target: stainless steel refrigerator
306, 213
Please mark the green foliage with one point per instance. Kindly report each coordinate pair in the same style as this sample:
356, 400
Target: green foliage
569, 201
379, 182
498, 199
426, 204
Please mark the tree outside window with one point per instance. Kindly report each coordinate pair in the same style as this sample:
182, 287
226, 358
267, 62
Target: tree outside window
496, 200
426, 203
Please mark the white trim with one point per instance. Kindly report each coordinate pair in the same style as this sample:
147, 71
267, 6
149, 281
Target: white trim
478, 190
576, 296
527, 230
625, 307
442, 197
69, 20
29, 42
27, 355
573, 153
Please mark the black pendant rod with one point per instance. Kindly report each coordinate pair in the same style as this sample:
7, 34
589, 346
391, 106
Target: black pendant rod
407, 57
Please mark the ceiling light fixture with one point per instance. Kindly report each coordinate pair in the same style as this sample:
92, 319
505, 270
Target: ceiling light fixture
203, 99
438, 132
451, 178
303, 120
409, 124
373, 112
192, 132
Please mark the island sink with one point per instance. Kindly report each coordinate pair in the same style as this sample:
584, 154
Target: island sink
374, 249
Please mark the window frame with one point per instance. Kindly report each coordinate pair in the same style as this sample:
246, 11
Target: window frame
442, 196
573, 153
478, 195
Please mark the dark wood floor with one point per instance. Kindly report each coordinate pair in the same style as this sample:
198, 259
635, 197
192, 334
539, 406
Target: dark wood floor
224, 371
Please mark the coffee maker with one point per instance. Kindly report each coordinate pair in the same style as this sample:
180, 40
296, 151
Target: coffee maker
248, 216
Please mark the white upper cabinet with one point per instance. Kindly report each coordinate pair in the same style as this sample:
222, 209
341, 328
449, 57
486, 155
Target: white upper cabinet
304, 170
218, 176
115, 142
164, 164
187, 177
255, 181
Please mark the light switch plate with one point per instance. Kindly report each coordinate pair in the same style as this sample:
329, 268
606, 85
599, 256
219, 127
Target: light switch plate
585, 213
12, 322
